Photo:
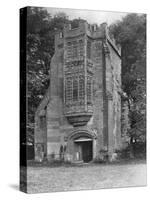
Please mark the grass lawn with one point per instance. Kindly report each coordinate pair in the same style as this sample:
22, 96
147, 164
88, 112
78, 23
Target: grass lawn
85, 177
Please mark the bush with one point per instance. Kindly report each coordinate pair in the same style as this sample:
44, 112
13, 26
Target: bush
137, 150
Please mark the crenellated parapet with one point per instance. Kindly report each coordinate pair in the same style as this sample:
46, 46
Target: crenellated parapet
93, 31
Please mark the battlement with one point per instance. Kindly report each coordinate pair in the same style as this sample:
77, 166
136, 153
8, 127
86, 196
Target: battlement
85, 27
92, 31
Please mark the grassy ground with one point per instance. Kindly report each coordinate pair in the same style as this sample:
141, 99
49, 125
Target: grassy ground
91, 176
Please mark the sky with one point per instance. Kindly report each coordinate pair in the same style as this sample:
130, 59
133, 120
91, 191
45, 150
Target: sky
92, 16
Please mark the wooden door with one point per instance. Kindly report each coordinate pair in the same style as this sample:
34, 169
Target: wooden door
87, 151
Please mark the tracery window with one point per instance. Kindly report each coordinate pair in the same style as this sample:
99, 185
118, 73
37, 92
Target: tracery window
88, 49
69, 50
75, 49
75, 90
68, 90
97, 51
89, 90
81, 48
81, 88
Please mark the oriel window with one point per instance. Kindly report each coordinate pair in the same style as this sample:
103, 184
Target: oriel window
75, 49
89, 90
68, 90
89, 49
81, 48
81, 88
75, 90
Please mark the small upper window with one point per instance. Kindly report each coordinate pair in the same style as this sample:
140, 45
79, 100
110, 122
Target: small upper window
89, 90
61, 34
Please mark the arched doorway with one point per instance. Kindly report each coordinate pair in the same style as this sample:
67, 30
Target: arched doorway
82, 145
84, 148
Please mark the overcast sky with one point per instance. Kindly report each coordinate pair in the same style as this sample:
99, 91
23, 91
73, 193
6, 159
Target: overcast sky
89, 15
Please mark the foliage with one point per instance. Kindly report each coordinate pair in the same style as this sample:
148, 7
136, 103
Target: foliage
41, 27
131, 34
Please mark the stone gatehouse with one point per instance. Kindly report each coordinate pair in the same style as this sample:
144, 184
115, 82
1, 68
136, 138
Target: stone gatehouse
79, 117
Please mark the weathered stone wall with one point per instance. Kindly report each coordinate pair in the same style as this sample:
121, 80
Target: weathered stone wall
113, 79
55, 118
96, 122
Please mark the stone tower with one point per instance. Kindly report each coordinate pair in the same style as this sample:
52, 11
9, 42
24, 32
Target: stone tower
79, 119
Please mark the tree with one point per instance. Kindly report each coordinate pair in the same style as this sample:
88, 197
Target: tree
41, 28
130, 33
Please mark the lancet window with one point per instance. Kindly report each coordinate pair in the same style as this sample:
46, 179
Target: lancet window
88, 49
75, 49
75, 90
68, 90
89, 90
81, 88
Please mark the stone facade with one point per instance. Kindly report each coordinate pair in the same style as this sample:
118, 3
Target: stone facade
80, 115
